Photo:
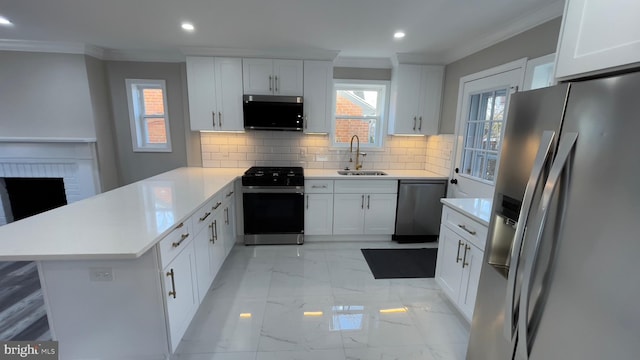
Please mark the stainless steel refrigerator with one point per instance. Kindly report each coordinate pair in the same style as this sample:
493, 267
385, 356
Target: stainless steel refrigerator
561, 271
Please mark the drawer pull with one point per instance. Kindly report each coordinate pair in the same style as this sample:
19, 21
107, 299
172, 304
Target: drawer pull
184, 236
179, 226
464, 258
217, 205
458, 258
173, 284
319, 186
229, 194
206, 215
463, 227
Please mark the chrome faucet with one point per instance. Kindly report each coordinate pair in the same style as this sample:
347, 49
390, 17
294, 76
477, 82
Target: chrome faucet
358, 165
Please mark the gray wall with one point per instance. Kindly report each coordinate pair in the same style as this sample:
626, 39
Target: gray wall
361, 73
44, 95
136, 166
106, 143
533, 43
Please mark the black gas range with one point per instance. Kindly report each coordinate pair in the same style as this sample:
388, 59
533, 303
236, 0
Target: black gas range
273, 205
273, 176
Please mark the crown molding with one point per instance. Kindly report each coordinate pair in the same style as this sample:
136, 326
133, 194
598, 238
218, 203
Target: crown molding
42, 46
297, 54
515, 27
142, 55
362, 62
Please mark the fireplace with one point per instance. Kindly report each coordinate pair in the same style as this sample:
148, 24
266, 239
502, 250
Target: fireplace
37, 176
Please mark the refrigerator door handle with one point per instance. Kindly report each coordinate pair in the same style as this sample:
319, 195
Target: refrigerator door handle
544, 153
567, 143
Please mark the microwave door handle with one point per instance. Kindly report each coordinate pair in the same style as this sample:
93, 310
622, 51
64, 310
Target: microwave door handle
543, 155
565, 150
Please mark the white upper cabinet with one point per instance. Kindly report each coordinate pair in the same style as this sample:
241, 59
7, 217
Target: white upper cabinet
215, 93
598, 36
272, 77
416, 91
318, 85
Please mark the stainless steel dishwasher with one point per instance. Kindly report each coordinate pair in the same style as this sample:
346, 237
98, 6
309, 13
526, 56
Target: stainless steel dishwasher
419, 210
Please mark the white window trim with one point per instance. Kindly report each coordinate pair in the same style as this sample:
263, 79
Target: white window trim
135, 121
382, 132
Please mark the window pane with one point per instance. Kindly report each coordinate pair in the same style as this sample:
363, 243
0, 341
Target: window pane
356, 103
153, 101
485, 106
500, 100
490, 172
364, 128
477, 166
473, 107
496, 133
156, 131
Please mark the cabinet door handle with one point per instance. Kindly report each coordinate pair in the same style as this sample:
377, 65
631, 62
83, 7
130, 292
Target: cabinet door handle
213, 118
307, 202
206, 215
270, 83
420, 126
215, 231
211, 232
306, 122
362, 203
463, 227
226, 216
458, 258
173, 284
217, 205
176, 244
414, 123
276, 83
220, 119
368, 201
464, 257
319, 186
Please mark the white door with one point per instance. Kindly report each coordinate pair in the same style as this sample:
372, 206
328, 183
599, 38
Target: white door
202, 93
380, 214
448, 266
288, 77
318, 216
482, 112
348, 214
229, 93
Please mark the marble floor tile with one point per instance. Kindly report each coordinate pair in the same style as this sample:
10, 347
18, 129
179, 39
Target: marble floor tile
299, 324
320, 301
331, 354
390, 353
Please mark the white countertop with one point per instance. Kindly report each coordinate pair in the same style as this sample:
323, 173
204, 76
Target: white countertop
478, 209
126, 222
391, 175
120, 224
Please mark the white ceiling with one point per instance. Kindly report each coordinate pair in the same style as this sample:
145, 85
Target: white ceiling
444, 30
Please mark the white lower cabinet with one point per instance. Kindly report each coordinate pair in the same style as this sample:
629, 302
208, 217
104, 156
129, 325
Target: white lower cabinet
228, 224
181, 293
459, 262
370, 211
318, 214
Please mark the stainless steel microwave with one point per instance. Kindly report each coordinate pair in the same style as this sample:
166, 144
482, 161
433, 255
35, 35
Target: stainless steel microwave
268, 112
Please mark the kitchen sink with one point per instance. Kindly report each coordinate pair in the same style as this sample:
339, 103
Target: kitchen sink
361, 172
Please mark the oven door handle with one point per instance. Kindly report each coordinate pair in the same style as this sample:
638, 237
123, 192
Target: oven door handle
272, 190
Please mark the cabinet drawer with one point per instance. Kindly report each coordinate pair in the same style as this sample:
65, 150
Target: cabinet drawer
177, 240
202, 217
366, 186
318, 186
227, 192
469, 229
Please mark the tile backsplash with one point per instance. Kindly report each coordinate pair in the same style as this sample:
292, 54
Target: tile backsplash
275, 148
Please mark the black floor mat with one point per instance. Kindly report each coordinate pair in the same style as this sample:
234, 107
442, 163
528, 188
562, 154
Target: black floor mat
401, 263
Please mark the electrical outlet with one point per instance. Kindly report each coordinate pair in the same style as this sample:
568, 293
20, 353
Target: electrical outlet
101, 274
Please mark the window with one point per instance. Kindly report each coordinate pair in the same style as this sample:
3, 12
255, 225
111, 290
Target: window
483, 134
359, 110
148, 115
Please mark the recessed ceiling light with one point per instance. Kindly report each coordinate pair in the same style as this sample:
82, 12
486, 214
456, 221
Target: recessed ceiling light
5, 21
398, 35
188, 26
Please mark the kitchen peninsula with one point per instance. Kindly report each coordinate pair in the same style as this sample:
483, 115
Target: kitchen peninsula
121, 272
